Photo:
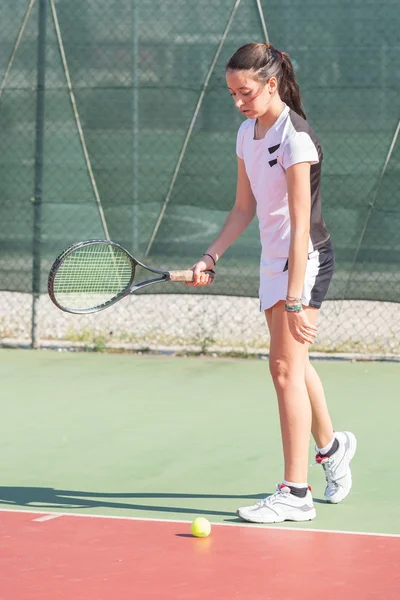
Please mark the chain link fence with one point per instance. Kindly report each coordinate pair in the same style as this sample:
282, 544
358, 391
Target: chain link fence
116, 122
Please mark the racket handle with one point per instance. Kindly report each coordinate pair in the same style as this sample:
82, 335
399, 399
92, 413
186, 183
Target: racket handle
186, 276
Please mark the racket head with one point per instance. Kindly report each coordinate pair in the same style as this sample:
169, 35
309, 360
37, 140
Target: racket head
90, 276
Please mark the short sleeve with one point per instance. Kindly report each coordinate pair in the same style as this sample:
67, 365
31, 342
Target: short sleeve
299, 148
239, 139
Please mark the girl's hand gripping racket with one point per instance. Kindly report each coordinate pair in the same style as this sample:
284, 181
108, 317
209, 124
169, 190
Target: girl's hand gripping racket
93, 275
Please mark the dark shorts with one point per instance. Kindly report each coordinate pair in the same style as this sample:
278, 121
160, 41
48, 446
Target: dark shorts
318, 285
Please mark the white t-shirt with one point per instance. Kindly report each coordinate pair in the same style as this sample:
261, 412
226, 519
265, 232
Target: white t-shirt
289, 141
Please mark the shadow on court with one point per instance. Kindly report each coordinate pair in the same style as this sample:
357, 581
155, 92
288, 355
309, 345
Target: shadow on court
38, 497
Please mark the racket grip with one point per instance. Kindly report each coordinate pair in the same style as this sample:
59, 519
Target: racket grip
186, 276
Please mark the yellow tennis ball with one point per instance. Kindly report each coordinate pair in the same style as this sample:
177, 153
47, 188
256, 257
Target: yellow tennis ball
201, 527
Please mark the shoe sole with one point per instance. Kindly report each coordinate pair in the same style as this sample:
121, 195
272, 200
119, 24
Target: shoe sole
309, 517
352, 451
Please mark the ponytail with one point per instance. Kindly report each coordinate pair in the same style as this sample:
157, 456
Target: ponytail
266, 61
289, 90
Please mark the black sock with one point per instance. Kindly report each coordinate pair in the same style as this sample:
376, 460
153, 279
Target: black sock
335, 446
299, 492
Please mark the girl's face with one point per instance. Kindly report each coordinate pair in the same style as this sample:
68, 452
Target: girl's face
251, 97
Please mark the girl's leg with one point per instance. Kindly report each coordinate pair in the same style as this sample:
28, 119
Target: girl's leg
292, 499
321, 425
288, 360
302, 405
337, 466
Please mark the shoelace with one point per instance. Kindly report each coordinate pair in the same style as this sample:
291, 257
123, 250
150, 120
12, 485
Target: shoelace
281, 490
325, 461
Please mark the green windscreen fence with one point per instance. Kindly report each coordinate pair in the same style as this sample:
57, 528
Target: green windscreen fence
115, 120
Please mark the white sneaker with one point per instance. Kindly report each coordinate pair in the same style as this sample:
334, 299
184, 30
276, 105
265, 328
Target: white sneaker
337, 467
280, 506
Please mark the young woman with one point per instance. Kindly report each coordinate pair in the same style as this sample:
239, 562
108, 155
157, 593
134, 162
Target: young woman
279, 171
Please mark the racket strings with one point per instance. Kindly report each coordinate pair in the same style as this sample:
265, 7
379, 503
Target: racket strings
92, 275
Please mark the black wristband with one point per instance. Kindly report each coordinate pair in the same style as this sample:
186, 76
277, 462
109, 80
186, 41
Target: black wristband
212, 258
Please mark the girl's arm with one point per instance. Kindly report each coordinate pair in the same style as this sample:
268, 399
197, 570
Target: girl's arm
299, 198
236, 222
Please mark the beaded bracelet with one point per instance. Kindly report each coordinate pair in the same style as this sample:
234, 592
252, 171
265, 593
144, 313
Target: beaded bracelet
293, 299
212, 258
293, 307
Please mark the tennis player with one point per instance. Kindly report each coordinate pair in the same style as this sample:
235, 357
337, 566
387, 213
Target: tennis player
279, 173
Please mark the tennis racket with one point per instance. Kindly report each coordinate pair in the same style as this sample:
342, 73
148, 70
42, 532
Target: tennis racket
91, 276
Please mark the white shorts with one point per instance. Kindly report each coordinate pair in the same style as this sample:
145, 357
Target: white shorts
319, 272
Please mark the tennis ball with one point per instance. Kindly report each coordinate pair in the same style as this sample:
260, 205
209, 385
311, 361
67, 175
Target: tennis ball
201, 527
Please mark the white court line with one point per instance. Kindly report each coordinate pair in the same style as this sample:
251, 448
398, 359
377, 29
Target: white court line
47, 517
182, 521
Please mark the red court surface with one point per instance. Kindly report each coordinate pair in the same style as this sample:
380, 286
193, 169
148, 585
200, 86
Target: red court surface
83, 558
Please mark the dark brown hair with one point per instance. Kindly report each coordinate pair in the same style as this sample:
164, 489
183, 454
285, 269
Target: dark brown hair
265, 62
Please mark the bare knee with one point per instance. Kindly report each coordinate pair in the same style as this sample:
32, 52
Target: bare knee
285, 373
280, 372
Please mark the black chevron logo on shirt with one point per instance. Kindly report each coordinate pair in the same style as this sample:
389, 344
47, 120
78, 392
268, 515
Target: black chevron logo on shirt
273, 149
272, 162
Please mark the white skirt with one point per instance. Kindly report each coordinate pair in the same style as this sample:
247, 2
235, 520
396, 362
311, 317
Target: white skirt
319, 272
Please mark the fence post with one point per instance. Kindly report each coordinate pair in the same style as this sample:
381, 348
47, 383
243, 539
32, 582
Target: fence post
38, 181
135, 128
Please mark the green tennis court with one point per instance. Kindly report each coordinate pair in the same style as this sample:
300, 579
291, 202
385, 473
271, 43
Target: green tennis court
157, 441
